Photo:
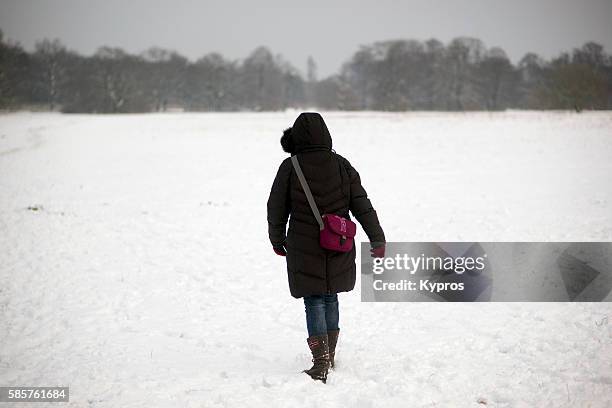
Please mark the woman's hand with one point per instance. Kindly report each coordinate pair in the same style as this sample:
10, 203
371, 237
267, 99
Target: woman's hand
378, 252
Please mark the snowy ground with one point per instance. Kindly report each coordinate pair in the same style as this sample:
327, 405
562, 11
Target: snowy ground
141, 276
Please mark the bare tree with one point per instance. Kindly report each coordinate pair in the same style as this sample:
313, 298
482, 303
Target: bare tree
166, 73
462, 54
578, 86
50, 55
311, 70
495, 73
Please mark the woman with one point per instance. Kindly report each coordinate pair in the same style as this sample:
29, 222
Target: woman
314, 273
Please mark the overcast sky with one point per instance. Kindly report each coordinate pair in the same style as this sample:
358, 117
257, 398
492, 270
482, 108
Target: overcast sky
329, 30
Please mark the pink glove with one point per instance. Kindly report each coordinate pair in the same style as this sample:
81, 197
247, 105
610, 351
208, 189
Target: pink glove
378, 252
280, 251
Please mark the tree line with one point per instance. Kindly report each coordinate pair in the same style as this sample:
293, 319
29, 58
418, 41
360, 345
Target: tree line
394, 75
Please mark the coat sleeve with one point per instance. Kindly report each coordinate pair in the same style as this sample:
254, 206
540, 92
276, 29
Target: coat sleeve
361, 207
278, 205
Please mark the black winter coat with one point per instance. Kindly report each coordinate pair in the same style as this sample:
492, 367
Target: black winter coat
336, 188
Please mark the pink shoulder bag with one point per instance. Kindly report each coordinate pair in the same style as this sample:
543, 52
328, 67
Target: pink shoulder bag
336, 233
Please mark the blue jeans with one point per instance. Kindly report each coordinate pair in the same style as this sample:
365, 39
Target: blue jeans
321, 314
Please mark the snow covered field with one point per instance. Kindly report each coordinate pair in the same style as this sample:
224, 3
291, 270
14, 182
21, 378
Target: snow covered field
135, 270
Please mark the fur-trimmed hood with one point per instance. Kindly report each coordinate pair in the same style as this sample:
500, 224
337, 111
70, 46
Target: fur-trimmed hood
309, 132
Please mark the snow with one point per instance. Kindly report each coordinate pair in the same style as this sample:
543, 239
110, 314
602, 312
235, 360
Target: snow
142, 275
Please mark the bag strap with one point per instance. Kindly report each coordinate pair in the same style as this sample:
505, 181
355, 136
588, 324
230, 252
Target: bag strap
306, 188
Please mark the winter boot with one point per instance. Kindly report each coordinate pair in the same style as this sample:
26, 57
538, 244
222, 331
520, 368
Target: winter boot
332, 338
320, 357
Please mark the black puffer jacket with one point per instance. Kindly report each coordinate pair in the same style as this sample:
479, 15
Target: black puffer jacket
336, 188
